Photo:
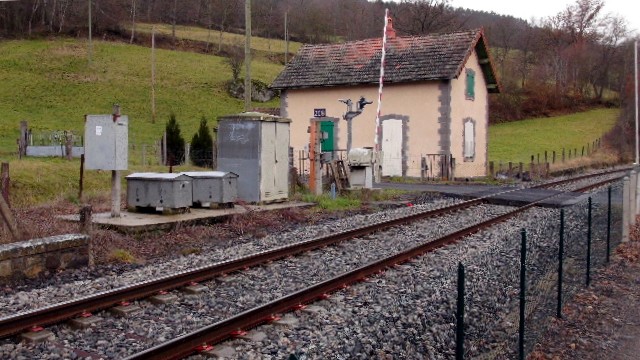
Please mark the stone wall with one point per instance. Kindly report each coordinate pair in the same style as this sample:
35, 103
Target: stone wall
28, 259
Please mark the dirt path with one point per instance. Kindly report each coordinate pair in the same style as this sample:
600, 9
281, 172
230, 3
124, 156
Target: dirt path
603, 321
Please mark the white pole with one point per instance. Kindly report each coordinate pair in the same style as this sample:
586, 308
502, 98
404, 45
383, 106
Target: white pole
635, 57
381, 82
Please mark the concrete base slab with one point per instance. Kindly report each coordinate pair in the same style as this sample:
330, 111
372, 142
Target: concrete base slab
222, 352
194, 289
162, 299
36, 337
84, 322
287, 320
125, 311
139, 222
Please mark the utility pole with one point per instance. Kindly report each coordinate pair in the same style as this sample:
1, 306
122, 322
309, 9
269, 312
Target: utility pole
90, 42
153, 75
247, 55
286, 37
635, 57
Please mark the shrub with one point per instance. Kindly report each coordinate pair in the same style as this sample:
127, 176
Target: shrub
201, 153
175, 142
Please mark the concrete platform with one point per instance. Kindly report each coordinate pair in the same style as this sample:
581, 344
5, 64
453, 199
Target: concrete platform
499, 195
139, 222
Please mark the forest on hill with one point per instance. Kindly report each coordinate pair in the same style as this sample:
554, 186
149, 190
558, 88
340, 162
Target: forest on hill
576, 59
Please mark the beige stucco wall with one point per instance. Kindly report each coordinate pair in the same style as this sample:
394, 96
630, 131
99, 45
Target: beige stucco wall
417, 103
476, 109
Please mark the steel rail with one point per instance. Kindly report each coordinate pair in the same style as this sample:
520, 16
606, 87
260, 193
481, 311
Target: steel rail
222, 330
58, 312
66, 310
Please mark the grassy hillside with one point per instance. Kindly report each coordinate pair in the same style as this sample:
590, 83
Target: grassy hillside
213, 36
517, 141
50, 84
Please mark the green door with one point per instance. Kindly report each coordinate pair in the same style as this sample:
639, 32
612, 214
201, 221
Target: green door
327, 144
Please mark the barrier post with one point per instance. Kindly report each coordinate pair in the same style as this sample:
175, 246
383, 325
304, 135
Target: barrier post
460, 315
560, 261
523, 284
589, 243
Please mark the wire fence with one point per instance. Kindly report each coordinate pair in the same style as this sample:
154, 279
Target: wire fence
562, 249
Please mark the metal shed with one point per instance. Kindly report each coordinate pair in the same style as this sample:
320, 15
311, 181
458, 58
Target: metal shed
256, 147
154, 190
213, 188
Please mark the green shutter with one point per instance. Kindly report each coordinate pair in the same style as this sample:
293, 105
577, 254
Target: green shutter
471, 79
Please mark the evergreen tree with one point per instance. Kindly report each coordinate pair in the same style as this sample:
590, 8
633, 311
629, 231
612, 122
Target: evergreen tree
175, 142
201, 153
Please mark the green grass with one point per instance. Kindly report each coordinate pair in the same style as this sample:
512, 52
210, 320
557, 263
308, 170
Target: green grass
50, 84
202, 34
517, 141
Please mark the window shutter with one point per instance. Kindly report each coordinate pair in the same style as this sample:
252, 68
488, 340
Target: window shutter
469, 140
471, 79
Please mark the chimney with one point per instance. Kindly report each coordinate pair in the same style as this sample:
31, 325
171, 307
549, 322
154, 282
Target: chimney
391, 33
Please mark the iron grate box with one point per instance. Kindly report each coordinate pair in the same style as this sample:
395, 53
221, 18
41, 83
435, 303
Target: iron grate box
213, 187
171, 191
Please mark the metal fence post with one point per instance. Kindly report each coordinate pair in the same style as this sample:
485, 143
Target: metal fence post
560, 261
633, 179
589, 243
523, 284
460, 315
609, 224
625, 209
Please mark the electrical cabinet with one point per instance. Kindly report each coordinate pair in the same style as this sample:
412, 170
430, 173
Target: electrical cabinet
106, 142
256, 147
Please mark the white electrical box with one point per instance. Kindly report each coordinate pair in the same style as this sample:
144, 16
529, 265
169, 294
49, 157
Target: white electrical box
106, 145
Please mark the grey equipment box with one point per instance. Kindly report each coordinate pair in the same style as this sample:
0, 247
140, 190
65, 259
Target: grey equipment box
213, 188
158, 190
256, 147
106, 145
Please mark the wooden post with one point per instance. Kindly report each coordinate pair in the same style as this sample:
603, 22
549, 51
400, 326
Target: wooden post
545, 157
562, 154
86, 227
521, 170
68, 145
553, 157
8, 218
5, 210
4, 174
538, 158
22, 142
492, 172
583, 151
510, 174
81, 185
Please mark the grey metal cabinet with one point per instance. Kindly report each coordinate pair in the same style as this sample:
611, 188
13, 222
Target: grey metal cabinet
213, 188
256, 147
153, 190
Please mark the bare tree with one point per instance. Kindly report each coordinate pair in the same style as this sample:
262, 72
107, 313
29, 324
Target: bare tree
417, 17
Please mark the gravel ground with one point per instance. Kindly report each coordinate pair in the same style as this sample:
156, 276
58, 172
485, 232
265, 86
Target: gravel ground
407, 313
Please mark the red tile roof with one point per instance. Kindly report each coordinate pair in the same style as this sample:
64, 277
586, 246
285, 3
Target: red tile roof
408, 59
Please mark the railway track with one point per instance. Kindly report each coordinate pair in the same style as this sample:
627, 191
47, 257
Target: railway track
222, 329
